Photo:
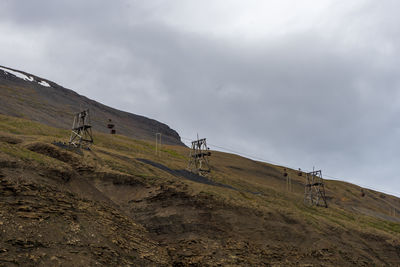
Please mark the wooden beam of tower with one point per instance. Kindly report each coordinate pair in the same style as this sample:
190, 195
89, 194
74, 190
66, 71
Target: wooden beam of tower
199, 158
314, 192
81, 135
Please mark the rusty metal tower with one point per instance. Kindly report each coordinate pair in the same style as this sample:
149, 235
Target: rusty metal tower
314, 189
198, 158
81, 135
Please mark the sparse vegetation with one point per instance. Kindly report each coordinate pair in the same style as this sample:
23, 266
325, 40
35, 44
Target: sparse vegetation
247, 214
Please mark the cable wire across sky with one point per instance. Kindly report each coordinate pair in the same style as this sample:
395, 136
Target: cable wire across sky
290, 167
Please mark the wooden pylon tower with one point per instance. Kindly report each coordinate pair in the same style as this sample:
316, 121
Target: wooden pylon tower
315, 190
81, 135
198, 158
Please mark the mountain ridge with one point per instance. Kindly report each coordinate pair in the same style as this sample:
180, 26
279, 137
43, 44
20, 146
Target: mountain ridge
55, 105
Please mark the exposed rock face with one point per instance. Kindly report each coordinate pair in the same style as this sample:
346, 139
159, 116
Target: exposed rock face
49, 103
41, 224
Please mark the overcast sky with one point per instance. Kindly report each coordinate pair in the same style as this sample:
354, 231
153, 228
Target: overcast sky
302, 83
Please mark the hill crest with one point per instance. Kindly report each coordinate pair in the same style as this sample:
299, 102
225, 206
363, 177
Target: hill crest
29, 96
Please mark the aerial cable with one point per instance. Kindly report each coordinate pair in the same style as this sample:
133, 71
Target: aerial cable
294, 168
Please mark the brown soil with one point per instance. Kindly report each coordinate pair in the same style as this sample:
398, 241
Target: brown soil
62, 209
46, 225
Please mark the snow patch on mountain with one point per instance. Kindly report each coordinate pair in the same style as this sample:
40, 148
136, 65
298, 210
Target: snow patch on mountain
18, 74
23, 76
43, 83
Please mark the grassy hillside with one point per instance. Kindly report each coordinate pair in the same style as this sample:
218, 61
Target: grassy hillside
120, 204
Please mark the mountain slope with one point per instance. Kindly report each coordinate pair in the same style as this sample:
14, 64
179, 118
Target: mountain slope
28, 96
241, 215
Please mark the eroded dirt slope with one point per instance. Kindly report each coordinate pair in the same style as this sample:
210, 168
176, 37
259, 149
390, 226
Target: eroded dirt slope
42, 224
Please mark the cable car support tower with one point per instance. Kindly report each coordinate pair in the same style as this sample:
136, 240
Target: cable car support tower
314, 189
81, 136
198, 158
